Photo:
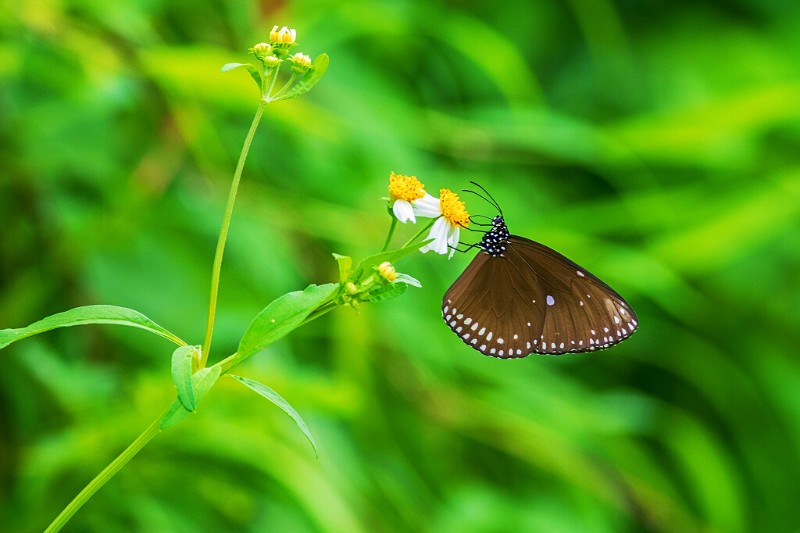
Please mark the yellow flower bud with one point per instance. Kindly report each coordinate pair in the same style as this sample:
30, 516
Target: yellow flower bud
271, 61
283, 36
262, 50
300, 63
387, 271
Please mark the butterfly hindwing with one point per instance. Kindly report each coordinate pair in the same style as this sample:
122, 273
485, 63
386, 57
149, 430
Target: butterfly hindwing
582, 312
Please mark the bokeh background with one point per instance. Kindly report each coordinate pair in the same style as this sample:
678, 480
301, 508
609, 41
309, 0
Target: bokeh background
655, 143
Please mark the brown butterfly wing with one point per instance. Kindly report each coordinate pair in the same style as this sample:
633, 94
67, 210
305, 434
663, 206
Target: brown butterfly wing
532, 299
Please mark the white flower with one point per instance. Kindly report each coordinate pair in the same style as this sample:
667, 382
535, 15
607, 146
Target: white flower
427, 207
452, 216
403, 211
405, 192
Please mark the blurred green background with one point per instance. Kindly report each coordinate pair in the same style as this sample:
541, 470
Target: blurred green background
655, 143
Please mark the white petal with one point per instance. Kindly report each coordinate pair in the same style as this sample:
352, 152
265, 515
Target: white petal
452, 239
427, 206
438, 233
404, 211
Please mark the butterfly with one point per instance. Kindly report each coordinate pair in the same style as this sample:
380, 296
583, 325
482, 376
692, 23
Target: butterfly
519, 297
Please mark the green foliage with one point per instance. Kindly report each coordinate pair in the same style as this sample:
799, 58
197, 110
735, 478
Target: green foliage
88, 314
655, 143
311, 78
282, 316
277, 399
184, 365
202, 382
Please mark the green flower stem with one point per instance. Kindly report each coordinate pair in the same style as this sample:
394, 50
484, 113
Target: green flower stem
270, 77
223, 234
420, 232
104, 476
389, 236
283, 90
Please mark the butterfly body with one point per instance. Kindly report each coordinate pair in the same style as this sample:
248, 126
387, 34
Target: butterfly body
519, 297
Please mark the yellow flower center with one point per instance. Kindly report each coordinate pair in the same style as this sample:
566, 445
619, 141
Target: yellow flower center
453, 209
407, 188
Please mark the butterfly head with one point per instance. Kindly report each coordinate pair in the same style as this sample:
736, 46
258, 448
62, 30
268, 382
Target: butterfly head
495, 241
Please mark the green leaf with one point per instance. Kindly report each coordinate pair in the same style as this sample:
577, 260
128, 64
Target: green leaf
202, 381
311, 78
386, 292
254, 73
366, 265
278, 400
345, 266
282, 316
183, 364
90, 314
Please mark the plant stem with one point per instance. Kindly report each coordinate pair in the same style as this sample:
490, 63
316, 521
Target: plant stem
389, 236
283, 90
104, 476
420, 232
223, 234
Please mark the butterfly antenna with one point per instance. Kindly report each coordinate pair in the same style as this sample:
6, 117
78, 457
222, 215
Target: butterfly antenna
488, 198
481, 224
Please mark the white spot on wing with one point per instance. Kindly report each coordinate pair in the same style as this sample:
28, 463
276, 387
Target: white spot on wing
550, 300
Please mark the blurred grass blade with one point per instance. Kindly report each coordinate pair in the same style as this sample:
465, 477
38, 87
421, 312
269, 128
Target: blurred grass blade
90, 314
282, 316
278, 400
202, 381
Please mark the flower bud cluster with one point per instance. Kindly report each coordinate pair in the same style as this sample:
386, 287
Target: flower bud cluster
277, 50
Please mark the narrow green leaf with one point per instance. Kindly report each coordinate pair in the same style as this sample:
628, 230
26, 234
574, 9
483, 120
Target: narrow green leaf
311, 78
183, 359
90, 314
253, 71
230, 66
202, 381
366, 265
345, 266
278, 400
282, 316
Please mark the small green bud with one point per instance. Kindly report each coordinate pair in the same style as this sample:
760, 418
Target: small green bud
261, 50
300, 63
271, 61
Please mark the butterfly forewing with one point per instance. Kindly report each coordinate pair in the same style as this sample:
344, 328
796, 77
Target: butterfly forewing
531, 299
